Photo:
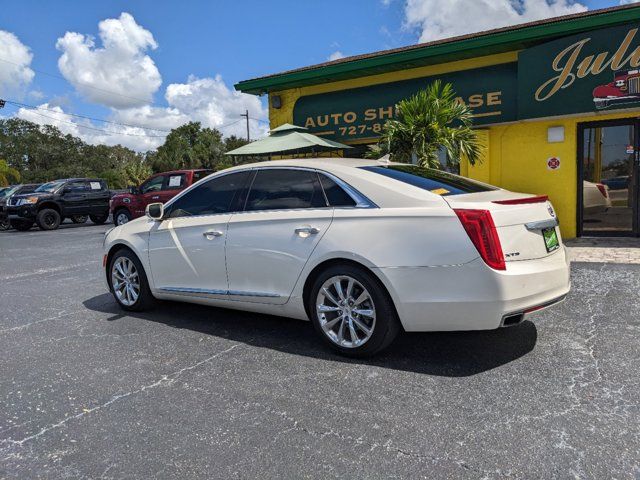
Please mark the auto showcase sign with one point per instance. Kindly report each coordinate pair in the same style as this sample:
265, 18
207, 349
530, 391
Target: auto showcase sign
360, 113
597, 70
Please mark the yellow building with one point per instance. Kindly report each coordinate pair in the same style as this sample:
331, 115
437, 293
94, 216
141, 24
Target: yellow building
556, 102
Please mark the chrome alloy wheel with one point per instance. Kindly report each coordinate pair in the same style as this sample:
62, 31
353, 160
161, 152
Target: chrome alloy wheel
346, 311
125, 281
122, 218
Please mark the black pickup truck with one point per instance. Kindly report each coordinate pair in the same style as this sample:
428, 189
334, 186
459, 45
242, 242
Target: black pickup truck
6, 193
52, 202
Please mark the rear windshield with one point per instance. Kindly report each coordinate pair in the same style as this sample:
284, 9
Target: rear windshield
435, 181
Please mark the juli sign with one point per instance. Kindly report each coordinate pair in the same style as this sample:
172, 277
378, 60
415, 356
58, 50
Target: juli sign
583, 73
360, 113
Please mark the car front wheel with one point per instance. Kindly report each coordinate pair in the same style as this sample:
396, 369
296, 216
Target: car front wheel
5, 224
79, 218
121, 217
352, 311
48, 219
128, 282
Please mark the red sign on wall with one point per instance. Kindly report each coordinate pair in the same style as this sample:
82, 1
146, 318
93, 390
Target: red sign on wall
553, 163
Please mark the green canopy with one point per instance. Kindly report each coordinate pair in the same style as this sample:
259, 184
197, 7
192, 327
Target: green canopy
288, 138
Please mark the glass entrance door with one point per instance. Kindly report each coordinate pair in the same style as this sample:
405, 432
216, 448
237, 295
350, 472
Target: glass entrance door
608, 193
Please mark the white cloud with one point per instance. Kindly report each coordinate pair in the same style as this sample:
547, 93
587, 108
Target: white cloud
211, 102
436, 19
15, 71
335, 55
205, 100
121, 65
118, 74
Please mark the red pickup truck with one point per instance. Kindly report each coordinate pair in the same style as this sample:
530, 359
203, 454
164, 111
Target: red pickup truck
161, 187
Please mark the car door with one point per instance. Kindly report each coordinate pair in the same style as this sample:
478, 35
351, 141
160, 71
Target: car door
174, 184
187, 248
268, 244
150, 190
98, 197
74, 197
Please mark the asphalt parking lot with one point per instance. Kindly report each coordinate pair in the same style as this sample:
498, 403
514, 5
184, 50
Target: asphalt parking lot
186, 391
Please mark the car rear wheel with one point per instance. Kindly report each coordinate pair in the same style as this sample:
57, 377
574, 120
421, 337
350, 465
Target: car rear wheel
129, 283
79, 218
21, 225
99, 219
122, 216
48, 219
5, 224
352, 311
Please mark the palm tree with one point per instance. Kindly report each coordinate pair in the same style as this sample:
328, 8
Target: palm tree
428, 121
8, 175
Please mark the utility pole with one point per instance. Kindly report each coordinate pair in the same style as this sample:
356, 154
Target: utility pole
246, 115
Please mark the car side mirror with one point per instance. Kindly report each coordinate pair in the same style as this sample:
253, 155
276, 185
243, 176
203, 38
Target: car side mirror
155, 211
66, 190
133, 190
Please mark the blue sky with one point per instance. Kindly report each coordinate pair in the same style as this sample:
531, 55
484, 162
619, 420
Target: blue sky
187, 44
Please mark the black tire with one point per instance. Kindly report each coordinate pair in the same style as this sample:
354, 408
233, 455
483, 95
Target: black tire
79, 218
386, 326
5, 224
48, 219
145, 300
21, 225
99, 219
119, 215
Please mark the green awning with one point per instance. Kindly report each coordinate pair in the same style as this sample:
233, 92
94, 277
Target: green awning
288, 138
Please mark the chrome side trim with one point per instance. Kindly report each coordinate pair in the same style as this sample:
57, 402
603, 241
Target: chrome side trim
202, 291
539, 225
239, 293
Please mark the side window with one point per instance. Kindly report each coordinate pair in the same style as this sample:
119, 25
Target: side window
198, 174
283, 189
175, 182
77, 186
336, 196
152, 185
210, 198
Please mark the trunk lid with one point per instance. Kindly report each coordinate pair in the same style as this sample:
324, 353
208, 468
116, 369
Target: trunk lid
519, 225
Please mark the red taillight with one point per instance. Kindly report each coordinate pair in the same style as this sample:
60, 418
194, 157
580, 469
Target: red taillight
603, 190
482, 231
520, 201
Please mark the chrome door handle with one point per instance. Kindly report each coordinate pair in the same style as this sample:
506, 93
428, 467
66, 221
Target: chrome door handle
212, 234
306, 231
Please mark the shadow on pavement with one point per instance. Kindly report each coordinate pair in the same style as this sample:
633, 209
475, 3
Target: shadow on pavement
458, 354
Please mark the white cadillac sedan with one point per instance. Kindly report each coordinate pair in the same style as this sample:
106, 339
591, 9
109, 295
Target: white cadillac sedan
361, 248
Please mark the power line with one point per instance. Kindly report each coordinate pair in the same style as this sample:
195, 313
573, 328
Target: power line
109, 132
25, 105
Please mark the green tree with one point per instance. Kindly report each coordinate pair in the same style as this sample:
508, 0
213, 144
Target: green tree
190, 146
137, 172
8, 175
428, 121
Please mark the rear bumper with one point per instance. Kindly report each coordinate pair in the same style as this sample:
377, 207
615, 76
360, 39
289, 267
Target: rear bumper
472, 296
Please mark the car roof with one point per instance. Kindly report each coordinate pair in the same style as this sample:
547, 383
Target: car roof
183, 171
78, 179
